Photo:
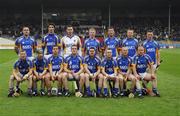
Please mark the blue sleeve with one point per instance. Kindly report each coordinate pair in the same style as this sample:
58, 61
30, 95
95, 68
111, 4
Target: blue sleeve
17, 42
149, 59
115, 63
15, 65
135, 60
30, 64
99, 62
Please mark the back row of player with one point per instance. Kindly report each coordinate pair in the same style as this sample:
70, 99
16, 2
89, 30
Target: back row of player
112, 45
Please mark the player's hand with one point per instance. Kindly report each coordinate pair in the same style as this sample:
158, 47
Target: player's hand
125, 79
18, 79
138, 77
52, 78
25, 77
40, 76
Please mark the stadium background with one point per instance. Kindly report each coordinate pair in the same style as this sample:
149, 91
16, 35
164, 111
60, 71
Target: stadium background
161, 16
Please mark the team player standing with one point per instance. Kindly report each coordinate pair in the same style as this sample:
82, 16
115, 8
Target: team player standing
109, 65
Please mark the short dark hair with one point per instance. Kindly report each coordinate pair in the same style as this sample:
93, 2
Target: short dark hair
25, 26
51, 24
92, 48
68, 26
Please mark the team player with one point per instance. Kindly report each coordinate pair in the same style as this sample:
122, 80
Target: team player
55, 71
140, 64
124, 63
92, 66
50, 40
91, 42
131, 43
152, 49
68, 40
26, 43
112, 42
74, 70
40, 68
22, 71
109, 71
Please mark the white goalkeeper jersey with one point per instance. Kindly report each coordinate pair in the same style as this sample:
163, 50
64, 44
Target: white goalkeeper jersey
67, 43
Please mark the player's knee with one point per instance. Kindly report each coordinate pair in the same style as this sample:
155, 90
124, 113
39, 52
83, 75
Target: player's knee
82, 75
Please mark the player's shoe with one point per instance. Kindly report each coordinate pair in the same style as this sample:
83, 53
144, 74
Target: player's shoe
49, 93
42, 92
29, 92
34, 93
11, 94
122, 94
144, 91
18, 90
105, 95
66, 93
140, 95
156, 93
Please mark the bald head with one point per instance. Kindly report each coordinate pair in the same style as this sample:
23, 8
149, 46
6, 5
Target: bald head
124, 51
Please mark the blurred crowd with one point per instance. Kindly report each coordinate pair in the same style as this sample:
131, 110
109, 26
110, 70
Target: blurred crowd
159, 26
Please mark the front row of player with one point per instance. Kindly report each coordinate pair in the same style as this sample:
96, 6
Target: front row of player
109, 77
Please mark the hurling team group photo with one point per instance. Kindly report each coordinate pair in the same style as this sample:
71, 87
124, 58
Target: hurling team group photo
85, 67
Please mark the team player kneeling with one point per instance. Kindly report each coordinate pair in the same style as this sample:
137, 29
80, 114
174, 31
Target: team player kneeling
109, 76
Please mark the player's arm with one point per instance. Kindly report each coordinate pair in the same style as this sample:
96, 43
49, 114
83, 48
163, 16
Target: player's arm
86, 69
66, 68
98, 71
134, 71
50, 70
16, 49
15, 72
83, 49
81, 69
35, 72
61, 69
115, 71
158, 56
150, 64
103, 72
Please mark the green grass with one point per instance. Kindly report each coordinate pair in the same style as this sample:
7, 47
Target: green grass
168, 104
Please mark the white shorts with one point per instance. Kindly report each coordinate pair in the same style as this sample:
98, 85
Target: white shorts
47, 56
112, 75
30, 58
142, 75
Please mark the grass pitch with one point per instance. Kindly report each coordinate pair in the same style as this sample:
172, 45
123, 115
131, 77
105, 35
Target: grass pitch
168, 104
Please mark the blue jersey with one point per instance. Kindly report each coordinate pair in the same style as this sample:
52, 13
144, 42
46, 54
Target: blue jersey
40, 65
151, 48
56, 62
27, 44
49, 41
141, 62
23, 66
124, 63
113, 44
92, 63
91, 43
74, 62
131, 44
109, 65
